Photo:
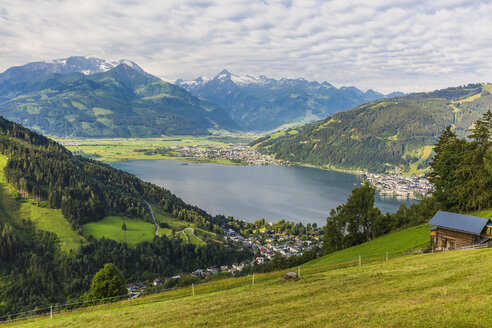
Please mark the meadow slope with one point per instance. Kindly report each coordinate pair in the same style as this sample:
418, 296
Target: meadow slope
438, 290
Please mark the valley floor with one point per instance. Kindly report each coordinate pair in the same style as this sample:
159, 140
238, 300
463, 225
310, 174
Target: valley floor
124, 149
450, 289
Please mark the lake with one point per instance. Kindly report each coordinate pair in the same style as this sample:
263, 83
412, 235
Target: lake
294, 193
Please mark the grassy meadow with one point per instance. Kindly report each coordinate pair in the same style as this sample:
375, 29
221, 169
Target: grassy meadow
110, 227
394, 243
13, 209
180, 226
449, 289
139, 230
124, 149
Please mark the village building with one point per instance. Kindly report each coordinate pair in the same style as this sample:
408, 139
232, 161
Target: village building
454, 231
197, 273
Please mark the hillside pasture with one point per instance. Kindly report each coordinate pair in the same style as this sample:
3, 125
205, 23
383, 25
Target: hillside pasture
449, 289
111, 227
14, 209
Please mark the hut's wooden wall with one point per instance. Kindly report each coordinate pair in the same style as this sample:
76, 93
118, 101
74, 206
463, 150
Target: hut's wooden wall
442, 238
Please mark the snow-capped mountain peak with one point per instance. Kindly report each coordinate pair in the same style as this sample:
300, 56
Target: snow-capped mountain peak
75, 64
225, 75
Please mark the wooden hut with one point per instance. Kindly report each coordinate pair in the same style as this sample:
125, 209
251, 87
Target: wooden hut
454, 231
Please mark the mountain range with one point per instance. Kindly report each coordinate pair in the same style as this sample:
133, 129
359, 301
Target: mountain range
384, 134
90, 97
262, 103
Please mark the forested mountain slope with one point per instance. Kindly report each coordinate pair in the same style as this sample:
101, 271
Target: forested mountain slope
386, 133
33, 269
122, 101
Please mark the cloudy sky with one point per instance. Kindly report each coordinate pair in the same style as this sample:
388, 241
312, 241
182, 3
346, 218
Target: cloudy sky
380, 44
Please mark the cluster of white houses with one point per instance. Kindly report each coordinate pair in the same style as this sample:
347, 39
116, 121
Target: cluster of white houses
285, 245
399, 186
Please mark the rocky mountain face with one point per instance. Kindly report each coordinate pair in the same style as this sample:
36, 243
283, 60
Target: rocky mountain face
262, 103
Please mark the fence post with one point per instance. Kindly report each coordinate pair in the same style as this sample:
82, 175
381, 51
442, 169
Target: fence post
253, 278
193, 288
360, 261
51, 312
386, 256
130, 299
299, 271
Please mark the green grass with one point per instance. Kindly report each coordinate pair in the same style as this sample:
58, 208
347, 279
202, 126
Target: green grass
485, 213
123, 149
450, 289
424, 154
110, 227
166, 217
52, 220
394, 243
178, 225
13, 211
192, 239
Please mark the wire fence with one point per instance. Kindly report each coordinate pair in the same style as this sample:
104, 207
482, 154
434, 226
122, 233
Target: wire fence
51, 311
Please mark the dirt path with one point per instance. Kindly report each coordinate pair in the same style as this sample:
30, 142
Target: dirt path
153, 218
192, 233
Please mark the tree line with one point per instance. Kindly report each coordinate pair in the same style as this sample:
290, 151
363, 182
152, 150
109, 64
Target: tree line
84, 190
461, 172
34, 273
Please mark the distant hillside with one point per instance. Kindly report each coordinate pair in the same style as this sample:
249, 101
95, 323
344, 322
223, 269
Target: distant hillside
82, 97
262, 103
378, 136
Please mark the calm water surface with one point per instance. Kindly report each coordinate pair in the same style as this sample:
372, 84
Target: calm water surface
252, 192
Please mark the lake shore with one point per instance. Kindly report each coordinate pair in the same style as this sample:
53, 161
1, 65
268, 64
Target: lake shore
293, 193
214, 150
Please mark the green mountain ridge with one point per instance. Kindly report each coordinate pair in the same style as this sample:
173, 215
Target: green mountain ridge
383, 134
47, 198
121, 102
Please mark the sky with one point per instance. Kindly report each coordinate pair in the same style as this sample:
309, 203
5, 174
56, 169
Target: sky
372, 44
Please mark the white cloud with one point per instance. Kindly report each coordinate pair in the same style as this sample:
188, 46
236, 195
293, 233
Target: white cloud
384, 45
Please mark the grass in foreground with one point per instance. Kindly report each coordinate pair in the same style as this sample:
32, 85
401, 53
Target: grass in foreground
450, 289
394, 243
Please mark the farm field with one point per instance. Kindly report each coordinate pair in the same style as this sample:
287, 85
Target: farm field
139, 230
110, 227
13, 209
124, 149
449, 289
